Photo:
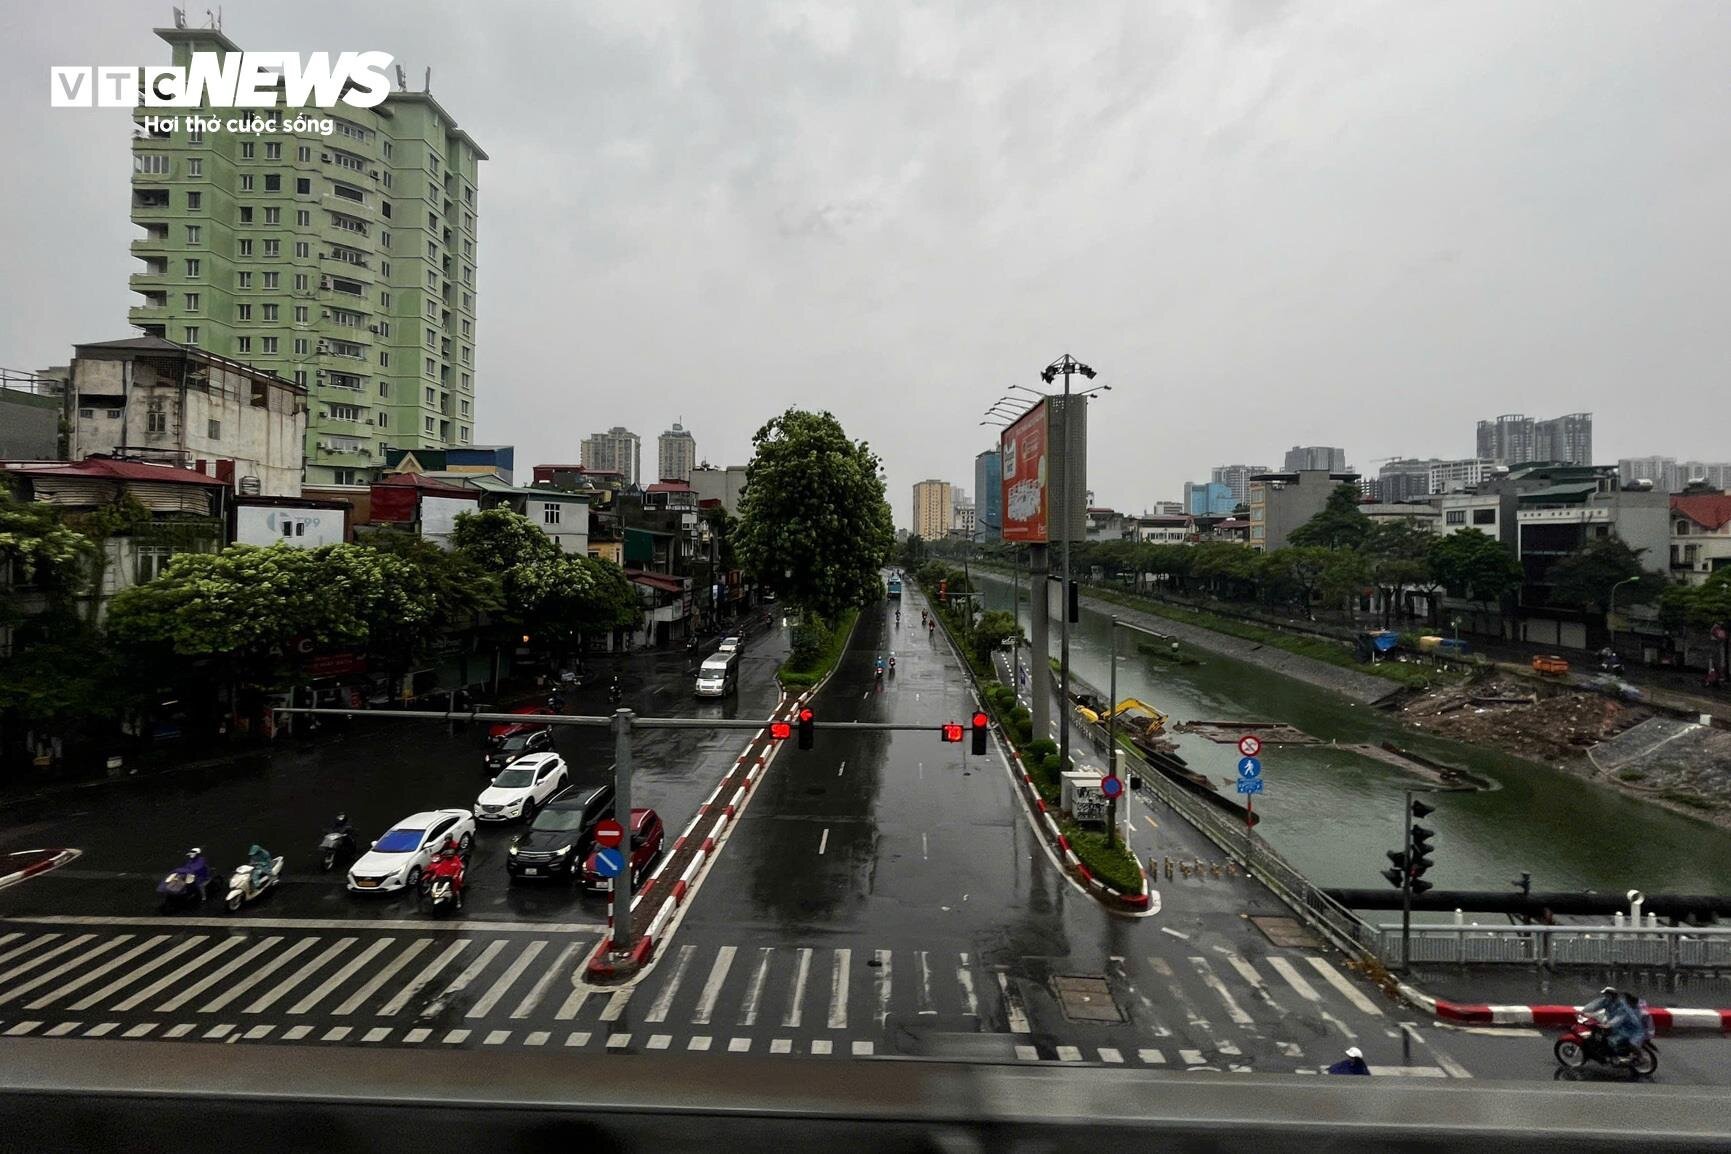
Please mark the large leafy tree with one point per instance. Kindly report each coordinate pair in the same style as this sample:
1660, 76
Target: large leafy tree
1339, 525
499, 539
1698, 608
1395, 555
1474, 565
814, 522
563, 596
1584, 579
449, 586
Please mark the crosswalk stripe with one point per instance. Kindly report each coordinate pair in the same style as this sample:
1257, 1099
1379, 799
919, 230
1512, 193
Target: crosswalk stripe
18, 951
337, 1033
796, 1000
461, 982
354, 1001
176, 976
1108, 1054
63, 1029
218, 1032
1254, 980
1191, 1057
149, 967
102, 1029
180, 1030
422, 979
62, 948
1449, 1066
296, 1033
838, 990
418, 1034
1018, 1015
1345, 988
1294, 979
455, 1036
11, 937
618, 1041
295, 950
882, 980
1028, 1053
862, 1049
698, 1042
738, 1045
573, 1002
664, 997
180, 999
659, 1041
712, 986
821, 1046
1409, 1071
1151, 1056
19, 1029
924, 1003
754, 992
376, 1034
1068, 1053
1212, 980
496, 1038
537, 1038
255, 1033
965, 978
325, 987
539, 989
577, 1039
63, 968
615, 1006
283, 988
781, 1045
140, 1030
498, 989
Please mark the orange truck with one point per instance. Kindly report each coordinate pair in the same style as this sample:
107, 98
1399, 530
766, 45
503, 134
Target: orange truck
1551, 666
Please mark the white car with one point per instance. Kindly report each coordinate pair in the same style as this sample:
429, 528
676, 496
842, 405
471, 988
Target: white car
396, 860
522, 788
730, 645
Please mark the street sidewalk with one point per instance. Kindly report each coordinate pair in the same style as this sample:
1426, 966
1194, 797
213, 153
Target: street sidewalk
1516, 985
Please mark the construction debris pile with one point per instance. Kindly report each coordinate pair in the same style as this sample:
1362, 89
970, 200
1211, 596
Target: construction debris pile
1513, 715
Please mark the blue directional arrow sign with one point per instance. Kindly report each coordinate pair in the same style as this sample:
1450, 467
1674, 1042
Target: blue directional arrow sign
1250, 785
609, 863
1249, 768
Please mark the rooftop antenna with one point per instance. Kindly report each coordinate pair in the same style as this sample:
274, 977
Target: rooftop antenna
180, 18
427, 85
402, 81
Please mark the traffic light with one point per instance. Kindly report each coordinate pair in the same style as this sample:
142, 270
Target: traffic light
780, 730
1411, 864
1074, 608
951, 731
805, 728
981, 722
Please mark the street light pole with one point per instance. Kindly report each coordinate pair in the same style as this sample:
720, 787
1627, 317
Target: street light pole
1611, 617
1065, 366
1112, 727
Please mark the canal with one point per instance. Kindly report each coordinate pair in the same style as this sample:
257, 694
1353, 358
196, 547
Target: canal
1333, 813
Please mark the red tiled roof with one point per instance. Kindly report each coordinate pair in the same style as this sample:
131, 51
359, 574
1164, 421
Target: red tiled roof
669, 487
104, 469
427, 485
1708, 510
656, 581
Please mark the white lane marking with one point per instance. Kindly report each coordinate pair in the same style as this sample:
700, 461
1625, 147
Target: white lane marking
376, 1034
65, 1028
754, 992
1294, 979
1408, 1071
862, 1049
537, 1038
296, 1033
925, 993
781, 1045
925, 848
181, 1030
140, 1030
823, 842
1152, 1057
1212, 980
186, 995
821, 1046
418, 1034
344, 974
334, 1034
498, 989
841, 769
1179, 934
274, 995
1449, 1066
453, 1037
175, 977
19, 1029
882, 981
1018, 1015
659, 1041
1027, 1053
698, 1042
922, 771
462, 981
539, 989
496, 1037
422, 979
577, 1039
11, 937
102, 1030
796, 1002
253, 923
65, 967
1493, 1031
712, 986
1290, 1049
80, 940
1069, 1053
738, 1045
573, 1002
27, 947
1345, 988
616, 1004
965, 979
664, 997
257, 1032
1191, 1057
838, 990
618, 1041
359, 997
255, 977
1254, 979
149, 967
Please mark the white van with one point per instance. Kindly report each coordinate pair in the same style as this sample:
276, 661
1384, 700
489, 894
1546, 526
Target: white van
719, 675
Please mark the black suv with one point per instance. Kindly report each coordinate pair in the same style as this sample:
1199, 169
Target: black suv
510, 748
558, 840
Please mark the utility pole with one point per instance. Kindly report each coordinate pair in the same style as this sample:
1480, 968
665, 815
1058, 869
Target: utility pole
622, 808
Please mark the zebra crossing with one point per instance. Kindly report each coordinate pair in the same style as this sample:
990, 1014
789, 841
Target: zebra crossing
1194, 1008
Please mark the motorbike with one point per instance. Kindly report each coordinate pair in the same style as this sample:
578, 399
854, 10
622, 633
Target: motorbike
181, 888
442, 886
1589, 1040
1610, 662
336, 846
892, 667
244, 886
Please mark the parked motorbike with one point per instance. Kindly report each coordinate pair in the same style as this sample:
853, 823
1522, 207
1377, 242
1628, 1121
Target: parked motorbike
184, 886
247, 884
1610, 662
1589, 1040
336, 846
442, 885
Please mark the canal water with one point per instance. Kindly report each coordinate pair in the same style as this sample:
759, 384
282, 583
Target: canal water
1333, 813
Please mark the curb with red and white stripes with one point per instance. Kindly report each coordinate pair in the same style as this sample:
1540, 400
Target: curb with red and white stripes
1133, 902
41, 865
1666, 1020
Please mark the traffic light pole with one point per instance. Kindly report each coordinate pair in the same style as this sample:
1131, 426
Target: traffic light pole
622, 807
1406, 886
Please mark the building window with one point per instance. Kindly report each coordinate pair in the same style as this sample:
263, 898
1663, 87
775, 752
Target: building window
432, 338
273, 151
195, 136
151, 561
288, 528
192, 334
384, 420
431, 369
549, 514
269, 344
432, 397
303, 218
243, 312
243, 344
384, 239
273, 248
303, 186
246, 214
301, 348
301, 314
191, 302
213, 430
246, 182
468, 355
87, 414
384, 363
384, 326
1454, 516
270, 314
271, 279
432, 250
156, 421
243, 247
243, 280
153, 163
386, 145
301, 378
463, 407
466, 329
345, 412
1484, 516
303, 154
246, 148
303, 250
343, 477
432, 281
463, 434
465, 380
273, 216
272, 182
195, 167
194, 201
427, 424
301, 281
194, 234
384, 300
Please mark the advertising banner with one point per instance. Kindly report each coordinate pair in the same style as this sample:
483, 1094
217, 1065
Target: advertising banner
1023, 452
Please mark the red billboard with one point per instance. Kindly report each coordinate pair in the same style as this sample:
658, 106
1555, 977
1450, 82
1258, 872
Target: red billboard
1023, 457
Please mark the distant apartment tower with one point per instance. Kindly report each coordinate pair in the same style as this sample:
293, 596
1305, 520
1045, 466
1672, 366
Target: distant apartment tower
1459, 476
677, 451
618, 450
1508, 440
934, 509
1236, 478
1281, 502
988, 484
1565, 440
1716, 474
343, 263
1403, 479
1662, 471
964, 522
1310, 458
1208, 499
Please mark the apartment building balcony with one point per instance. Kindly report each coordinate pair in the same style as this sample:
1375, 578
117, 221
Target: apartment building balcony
147, 314
148, 280
156, 244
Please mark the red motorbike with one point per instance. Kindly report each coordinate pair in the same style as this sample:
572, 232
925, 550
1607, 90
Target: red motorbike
442, 884
1589, 1040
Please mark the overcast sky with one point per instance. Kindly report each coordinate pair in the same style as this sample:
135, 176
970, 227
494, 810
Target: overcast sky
1265, 224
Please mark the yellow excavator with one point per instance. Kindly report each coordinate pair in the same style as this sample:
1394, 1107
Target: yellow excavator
1145, 719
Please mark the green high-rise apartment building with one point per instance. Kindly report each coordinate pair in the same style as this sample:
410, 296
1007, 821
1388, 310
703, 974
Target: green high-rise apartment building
345, 263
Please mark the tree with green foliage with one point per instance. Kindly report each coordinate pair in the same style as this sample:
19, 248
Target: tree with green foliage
814, 523
499, 539
1226, 569
1395, 555
1689, 609
1340, 524
994, 627
564, 597
1584, 579
911, 553
1475, 566
460, 591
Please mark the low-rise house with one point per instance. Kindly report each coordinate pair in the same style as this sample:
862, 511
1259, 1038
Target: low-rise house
1700, 535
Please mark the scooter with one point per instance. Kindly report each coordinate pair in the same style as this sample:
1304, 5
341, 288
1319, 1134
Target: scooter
184, 886
335, 847
244, 886
1588, 1040
442, 885
892, 666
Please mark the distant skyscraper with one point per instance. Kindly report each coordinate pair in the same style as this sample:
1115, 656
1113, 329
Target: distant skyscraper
988, 486
1715, 473
1567, 440
933, 509
1207, 499
618, 449
1509, 439
1403, 479
677, 453
1236, 478
1662, 471
1301, 457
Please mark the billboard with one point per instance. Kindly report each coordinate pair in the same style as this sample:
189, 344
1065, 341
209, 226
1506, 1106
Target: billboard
1022, 459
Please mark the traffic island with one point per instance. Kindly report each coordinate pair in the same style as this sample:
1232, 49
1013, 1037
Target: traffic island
1666, 1019
27, 863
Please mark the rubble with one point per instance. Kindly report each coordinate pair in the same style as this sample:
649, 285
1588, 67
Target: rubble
1508, 714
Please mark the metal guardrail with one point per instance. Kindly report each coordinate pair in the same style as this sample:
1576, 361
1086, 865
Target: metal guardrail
1656, 947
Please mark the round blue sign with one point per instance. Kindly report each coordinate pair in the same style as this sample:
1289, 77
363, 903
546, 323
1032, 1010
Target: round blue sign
1111, 786
1249, 767
609, 863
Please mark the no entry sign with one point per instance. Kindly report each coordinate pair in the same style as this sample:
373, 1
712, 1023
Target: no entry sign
609, 833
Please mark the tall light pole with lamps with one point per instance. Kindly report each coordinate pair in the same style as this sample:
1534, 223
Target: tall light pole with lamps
1611, 615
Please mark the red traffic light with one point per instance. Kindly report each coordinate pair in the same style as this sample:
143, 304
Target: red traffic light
805, 715
981, 721
780, 730
952, 731
982, 725
806, 728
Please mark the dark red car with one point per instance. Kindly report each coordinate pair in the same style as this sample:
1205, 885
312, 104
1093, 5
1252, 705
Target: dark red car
500, 730
646, 837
